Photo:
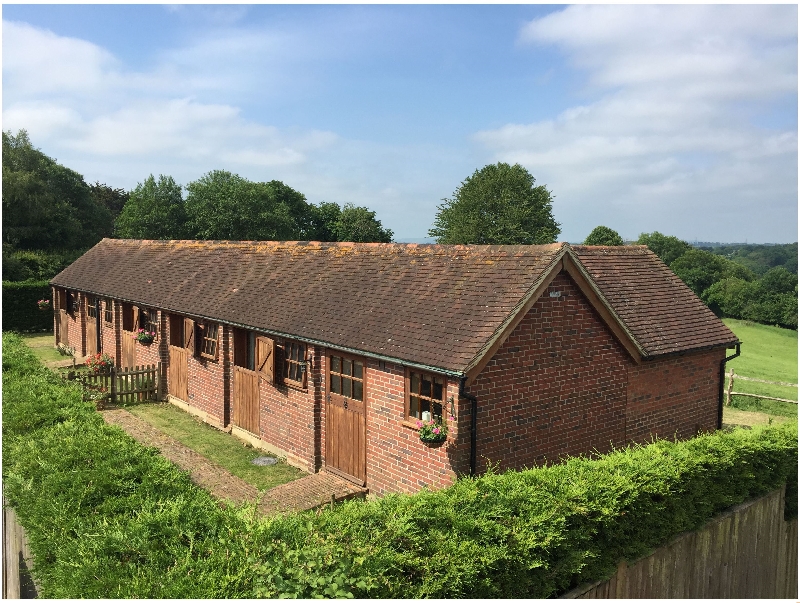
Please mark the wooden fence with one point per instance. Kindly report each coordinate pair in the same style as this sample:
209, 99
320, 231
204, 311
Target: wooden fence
121, 385
732, 376
749, 552
17, 559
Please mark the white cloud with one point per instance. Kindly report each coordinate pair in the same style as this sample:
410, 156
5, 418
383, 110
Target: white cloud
672, 96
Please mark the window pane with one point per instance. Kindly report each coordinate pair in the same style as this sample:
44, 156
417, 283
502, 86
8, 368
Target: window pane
301, 352
413, 407
414, 383
438, 390
336, 388
437, 411
358, 369
424, 405
336, 364
358, 390
425, 388
347, 366
346, 387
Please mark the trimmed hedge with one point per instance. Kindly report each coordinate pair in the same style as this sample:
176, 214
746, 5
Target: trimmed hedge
20, 311
107, 517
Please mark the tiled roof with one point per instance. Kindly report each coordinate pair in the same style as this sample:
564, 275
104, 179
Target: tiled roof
656, 307
431, 305
428, 304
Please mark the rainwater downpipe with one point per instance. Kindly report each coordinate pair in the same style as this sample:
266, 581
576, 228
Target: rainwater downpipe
722, 383
473, 432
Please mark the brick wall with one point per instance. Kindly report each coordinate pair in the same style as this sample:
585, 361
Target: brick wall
556, 387
397, 461
674, 396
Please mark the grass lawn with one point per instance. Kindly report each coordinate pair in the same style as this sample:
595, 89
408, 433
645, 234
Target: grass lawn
768, 353
217, 446
42, 345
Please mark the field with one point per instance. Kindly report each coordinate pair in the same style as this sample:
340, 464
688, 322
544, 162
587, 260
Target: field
42, 345
768, 353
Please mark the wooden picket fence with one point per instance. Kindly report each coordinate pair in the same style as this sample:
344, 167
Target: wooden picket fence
133, 384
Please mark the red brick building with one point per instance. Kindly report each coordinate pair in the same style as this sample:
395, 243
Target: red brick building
330, 353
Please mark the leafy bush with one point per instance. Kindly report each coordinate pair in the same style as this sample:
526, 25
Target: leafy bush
107, 517
20, 306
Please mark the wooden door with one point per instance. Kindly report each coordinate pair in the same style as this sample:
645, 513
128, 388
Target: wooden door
128, 350
345, 418
63, 327
91, 336
178, 375
245, 399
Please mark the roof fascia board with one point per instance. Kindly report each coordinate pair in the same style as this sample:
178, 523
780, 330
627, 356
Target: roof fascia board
500, 336
315, 342
586, 284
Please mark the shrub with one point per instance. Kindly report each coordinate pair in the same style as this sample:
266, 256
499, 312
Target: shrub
107, 517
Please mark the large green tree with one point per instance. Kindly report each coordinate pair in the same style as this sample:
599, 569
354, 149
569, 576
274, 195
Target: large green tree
222, 205
603, 235
359, 225
46, 205
154, 210
700, 269
668, 248
498, 205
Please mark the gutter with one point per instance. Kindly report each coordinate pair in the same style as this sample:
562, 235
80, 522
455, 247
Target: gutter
473, 432
722, 382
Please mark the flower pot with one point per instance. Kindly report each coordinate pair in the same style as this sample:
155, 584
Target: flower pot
433, 439
145, 340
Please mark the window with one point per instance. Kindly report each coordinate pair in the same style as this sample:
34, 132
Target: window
91, 306
72, 305
207, 338
128, 319
425, 396
294, 363
176, 331
148, 320
244, 349
347, 377
108, 313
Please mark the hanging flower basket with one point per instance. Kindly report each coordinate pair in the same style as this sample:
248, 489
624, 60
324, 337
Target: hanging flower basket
433, 431
145, 337
44, 305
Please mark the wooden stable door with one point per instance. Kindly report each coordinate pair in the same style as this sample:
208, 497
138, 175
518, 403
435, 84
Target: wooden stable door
245, 399
345, 418
178, 377
92, 330
63, 327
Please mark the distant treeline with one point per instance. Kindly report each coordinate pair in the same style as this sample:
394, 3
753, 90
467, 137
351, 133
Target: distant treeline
51, 215
751, 282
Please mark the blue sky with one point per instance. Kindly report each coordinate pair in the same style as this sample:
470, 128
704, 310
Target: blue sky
681, 119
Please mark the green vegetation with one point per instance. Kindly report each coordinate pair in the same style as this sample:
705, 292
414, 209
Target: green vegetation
42, 346
497, 205
107, 517
219, 447
603, 235
760, 258
20, 309
768, 353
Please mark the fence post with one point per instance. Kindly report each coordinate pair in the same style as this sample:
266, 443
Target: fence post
730, 389
113, 385
158, 381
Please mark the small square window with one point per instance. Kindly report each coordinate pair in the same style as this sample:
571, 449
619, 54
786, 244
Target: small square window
108, 311
294, 363
425, 396
208, 340
91, 306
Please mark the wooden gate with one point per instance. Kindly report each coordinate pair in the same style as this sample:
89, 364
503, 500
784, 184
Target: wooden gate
128, 350
63, 327
178, 373
245, 399
345, 419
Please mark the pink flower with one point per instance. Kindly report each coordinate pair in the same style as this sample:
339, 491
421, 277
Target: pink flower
451, 418
419, 423
436, 430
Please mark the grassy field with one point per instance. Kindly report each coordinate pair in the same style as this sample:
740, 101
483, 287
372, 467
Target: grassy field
768, 353
217, 446
42, 345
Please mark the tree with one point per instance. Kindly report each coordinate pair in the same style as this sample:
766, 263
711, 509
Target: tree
46, 205
603, 235
154, 210
667, 248
113, 199
497, 205
700, 269
222, 205
321, 222
359, 225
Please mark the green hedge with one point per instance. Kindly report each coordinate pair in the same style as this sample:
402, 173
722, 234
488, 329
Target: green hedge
20, 310
107, 517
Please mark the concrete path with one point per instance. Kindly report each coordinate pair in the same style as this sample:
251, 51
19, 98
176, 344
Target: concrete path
301, 494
